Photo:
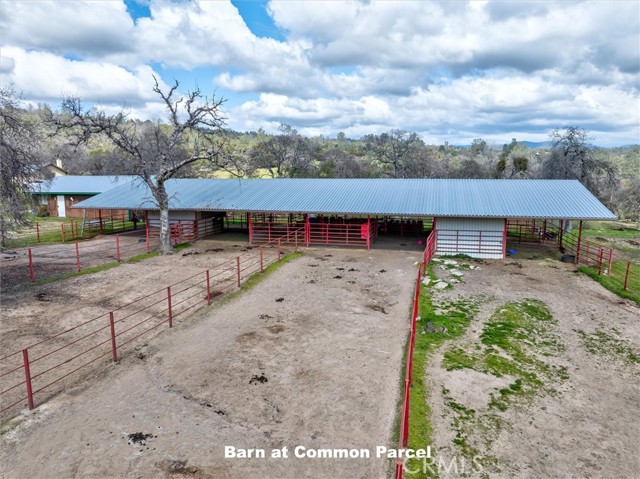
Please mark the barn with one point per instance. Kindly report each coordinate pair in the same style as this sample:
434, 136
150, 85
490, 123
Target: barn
56, 197
472, 217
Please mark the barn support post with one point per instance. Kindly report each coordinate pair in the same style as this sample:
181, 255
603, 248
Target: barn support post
238, 269
169, 306
146, 230
504, 240
32, 276
368, 232
307, 230
112, 327
77, 257
279, 250
610, 261
579, 243
117, 247
100, 219
296, 240
250, 226
27, 377
561, 233
208, 289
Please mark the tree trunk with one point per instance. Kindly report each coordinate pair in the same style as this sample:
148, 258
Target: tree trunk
165, 228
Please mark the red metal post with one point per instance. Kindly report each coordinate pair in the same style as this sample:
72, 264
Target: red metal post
196, 230
368, 232
38, 231
279, 250
296, 233
117, 247
169, 305
250, 225
610, 261
77, 257
600, 261
307, 230
146, 227
100, 218
112, 326
261, 263
208, 289
27, 377
561, 233
32, 275
238, 269
626, 276
579, 243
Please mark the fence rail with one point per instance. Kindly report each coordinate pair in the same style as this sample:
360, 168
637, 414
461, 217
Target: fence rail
403, 440
43, 232
34, 370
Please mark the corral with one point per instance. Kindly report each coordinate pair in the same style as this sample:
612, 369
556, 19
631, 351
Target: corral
311, 357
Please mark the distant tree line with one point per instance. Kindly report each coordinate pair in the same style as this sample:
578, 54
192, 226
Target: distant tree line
193, 142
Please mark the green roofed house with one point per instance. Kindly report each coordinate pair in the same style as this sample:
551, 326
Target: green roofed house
470, 217
56, 196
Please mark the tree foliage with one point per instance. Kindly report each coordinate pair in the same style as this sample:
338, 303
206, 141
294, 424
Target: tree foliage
19, 163
155, 152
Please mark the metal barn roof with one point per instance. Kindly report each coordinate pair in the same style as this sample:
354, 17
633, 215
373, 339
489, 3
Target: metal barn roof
80, 185
562, 199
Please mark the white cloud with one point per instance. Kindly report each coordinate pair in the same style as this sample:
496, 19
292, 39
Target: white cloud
45, 76
82, 27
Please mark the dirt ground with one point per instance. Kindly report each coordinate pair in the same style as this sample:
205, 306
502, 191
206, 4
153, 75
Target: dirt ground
310, 356
585, 426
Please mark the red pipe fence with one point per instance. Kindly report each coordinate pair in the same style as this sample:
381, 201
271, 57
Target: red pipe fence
44, 364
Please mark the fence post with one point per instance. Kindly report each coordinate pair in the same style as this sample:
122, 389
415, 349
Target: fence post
296, 233
117, 247
579, 245
610, 261
600, 261
32, 276
62, 227
208, 289
169, 305
561, 234
27, 377
112, 325
261, 263
279, 251
100, 218
77, 257
238, 269
38, 231
626, 276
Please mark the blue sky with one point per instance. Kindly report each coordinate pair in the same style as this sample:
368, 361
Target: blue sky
450, 71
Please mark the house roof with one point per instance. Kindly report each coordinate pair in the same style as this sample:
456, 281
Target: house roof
80, 185
562, 199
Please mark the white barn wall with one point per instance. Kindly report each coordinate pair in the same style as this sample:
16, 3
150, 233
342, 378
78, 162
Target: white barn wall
476, 237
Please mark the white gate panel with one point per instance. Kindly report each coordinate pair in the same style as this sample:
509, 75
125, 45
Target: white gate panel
475, 237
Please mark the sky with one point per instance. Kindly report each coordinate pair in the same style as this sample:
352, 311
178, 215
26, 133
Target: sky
449, 71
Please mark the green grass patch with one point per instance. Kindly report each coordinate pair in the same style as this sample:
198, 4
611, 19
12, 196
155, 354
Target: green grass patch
72, 274
615, 281
609, 346
449, 320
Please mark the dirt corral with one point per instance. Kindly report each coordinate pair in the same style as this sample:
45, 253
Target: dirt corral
310, 356
544, 383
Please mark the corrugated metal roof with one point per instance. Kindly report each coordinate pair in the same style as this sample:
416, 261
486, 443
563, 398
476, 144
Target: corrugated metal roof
77, 185
562, 199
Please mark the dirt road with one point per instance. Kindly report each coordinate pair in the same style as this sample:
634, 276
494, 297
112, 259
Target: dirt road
311, 356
